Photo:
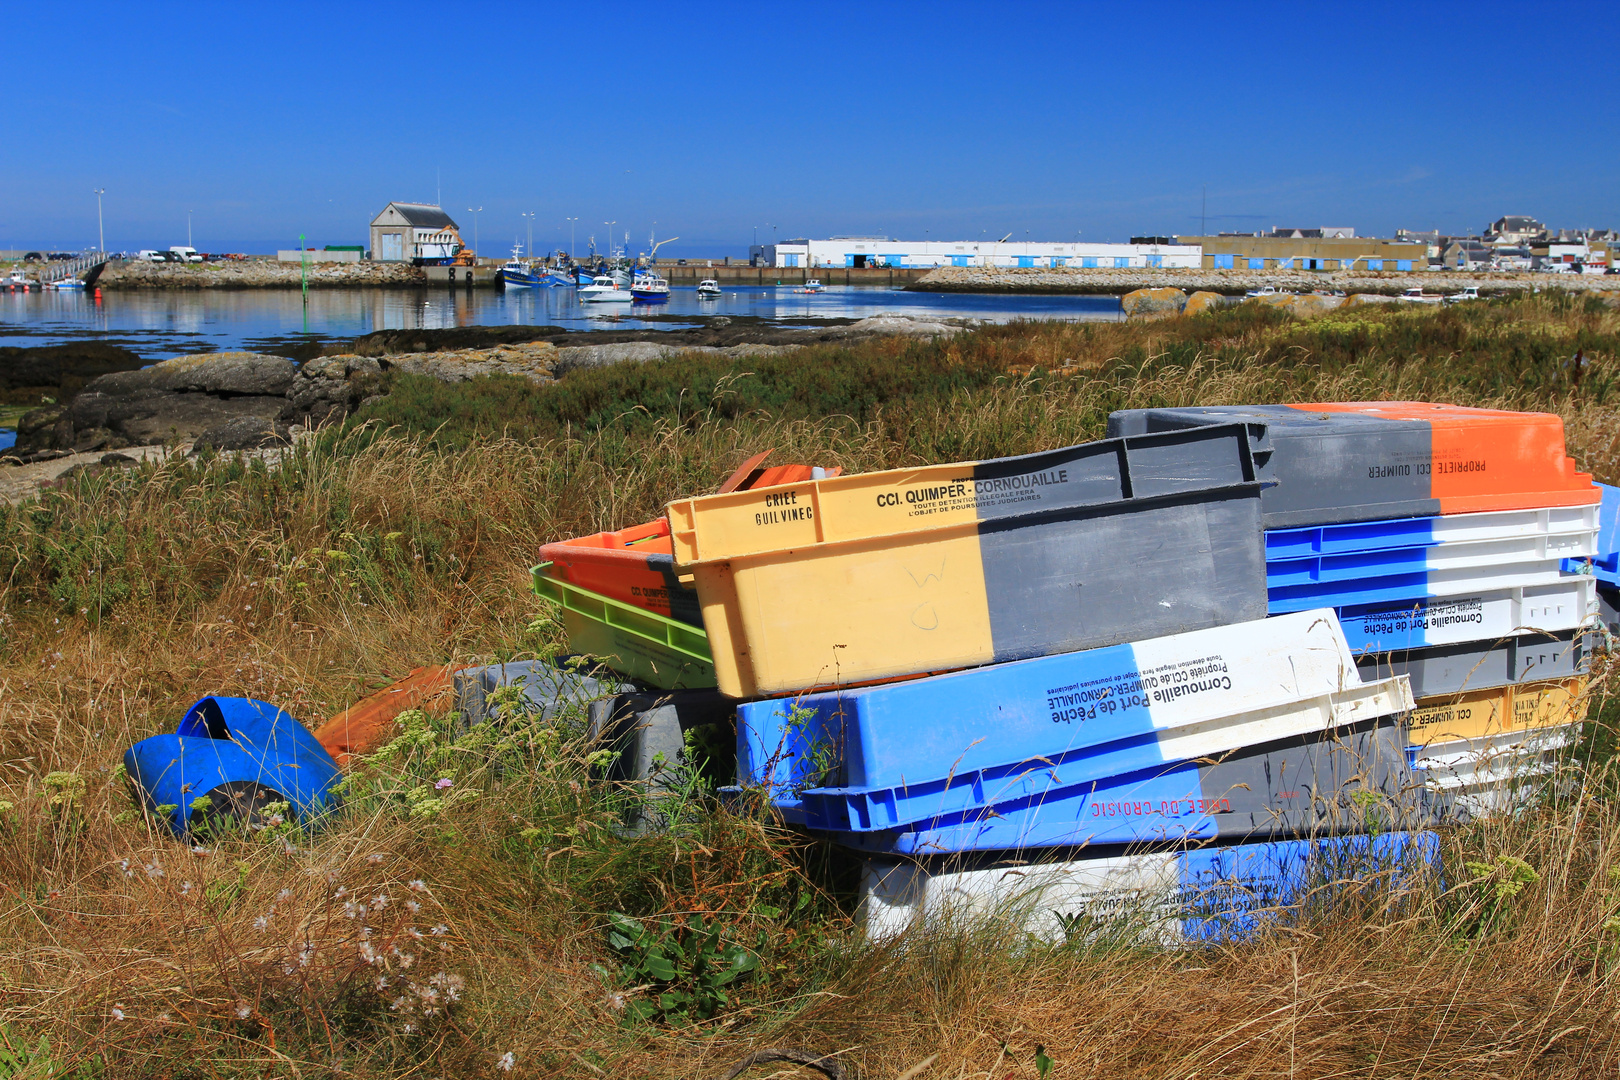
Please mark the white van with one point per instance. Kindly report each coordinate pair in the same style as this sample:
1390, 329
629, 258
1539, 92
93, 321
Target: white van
187, 254
150, 256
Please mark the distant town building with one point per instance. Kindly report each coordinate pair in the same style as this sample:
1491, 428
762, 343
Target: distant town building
1468, 255
858, 252
1273, 252
404, 232
1324, 233
1515, 229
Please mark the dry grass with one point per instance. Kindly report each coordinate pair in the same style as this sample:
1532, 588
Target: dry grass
124, 599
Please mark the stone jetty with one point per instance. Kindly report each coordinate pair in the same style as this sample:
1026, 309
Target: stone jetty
254, 274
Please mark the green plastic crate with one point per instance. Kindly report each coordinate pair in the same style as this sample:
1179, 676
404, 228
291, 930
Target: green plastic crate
631, 640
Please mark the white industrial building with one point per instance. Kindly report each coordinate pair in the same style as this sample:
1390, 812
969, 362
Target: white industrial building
876, 251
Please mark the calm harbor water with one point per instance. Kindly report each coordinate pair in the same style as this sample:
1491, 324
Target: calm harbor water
161, 323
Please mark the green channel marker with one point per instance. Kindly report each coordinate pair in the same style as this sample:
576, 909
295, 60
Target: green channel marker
631, 640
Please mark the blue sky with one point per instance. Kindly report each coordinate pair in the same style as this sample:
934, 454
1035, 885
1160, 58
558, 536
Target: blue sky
712, 119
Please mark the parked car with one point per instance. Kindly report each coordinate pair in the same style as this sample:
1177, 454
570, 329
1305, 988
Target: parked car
151, 256
34, 256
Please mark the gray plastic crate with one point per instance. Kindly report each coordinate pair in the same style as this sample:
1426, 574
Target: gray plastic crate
1327, 467
649, 732
1480, 665
1311, 785
546, 686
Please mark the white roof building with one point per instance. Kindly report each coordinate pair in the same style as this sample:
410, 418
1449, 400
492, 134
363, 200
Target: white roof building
871, 251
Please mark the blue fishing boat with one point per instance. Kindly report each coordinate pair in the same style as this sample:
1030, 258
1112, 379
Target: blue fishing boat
516, 273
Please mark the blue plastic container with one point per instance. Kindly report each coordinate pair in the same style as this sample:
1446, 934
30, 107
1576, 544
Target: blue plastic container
1343, 782
240, 755
967, 735
1211, 894
1606, 562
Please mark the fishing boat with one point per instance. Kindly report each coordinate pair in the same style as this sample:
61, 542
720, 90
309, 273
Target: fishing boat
604, 290
650, 287
813, 285
708, 289
68, 283
1416, 295
517, 273
18, 280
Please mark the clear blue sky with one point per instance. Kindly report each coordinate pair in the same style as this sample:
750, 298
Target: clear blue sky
269, 120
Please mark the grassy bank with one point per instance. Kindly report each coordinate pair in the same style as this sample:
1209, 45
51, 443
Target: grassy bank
403, 540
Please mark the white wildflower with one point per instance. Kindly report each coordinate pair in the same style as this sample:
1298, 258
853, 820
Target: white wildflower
418, 885
374, 858
243, 1010
261, 923
506, 1062
117, 1013
412, 906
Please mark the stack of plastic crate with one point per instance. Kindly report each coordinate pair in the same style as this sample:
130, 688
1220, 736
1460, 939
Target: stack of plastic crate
1460, 547
1174, 667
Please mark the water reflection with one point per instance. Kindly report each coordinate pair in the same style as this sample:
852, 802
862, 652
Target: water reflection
161, 323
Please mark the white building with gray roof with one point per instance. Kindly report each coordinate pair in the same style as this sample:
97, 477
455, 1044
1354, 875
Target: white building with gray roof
405, 231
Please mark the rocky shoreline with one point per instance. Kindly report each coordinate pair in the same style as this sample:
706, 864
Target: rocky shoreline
252, 401
1080, 282
255, 274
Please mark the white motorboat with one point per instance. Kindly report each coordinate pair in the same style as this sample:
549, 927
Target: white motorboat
650, 287
68, 283
18, 280
1469, 292
1265, 290
708, 289
603, 290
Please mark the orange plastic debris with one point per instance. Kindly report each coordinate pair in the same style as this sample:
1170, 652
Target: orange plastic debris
369, 722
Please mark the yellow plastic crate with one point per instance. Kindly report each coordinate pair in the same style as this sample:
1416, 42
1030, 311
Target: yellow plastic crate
1500, 710
880, 575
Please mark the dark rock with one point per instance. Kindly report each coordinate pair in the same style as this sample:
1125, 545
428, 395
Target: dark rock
328, 389
44, 429
88, 439
210, 373
65, 367
118, 459
244, 433
384, 342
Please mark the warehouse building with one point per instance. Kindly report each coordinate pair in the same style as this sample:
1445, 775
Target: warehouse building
405, 232
859, 252
1246, 251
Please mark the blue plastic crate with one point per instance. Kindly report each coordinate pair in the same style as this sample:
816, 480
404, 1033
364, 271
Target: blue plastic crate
1412, 559
995, 721
1605, 562
1309, 785
1225, 893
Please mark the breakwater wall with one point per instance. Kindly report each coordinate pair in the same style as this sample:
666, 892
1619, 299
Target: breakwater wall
255, 274
1084, 282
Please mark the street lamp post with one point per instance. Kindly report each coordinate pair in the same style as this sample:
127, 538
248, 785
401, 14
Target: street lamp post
188, 228
571, 237
101, 232
475, 212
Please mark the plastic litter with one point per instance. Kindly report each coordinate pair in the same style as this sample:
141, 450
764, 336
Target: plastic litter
228, 760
